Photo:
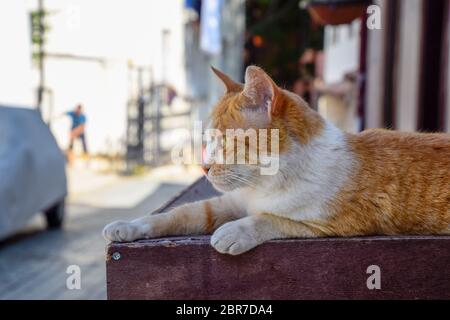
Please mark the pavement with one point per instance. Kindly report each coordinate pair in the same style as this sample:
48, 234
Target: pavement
35, 263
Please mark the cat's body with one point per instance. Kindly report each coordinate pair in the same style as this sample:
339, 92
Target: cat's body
329, 183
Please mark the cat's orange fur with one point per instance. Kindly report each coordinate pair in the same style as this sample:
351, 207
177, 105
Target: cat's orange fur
402, 186
330, 183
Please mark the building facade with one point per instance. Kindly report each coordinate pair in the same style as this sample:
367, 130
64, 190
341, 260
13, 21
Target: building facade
403, 71
408, 67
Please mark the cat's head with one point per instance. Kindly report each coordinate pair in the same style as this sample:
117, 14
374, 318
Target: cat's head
259, 122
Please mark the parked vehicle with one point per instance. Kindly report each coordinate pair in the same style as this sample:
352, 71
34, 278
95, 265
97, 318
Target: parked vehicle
32, 171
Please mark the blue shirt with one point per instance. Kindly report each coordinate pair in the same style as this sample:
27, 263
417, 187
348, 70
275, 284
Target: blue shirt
77, 120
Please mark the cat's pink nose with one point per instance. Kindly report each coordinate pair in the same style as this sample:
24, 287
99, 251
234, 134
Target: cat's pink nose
205, 165
205, 168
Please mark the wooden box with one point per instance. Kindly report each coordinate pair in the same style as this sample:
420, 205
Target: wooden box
331, 268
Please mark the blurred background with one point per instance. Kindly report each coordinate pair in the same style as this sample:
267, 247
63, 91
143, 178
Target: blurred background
140, 70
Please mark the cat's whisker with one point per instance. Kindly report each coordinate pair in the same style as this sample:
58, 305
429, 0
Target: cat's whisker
243, 180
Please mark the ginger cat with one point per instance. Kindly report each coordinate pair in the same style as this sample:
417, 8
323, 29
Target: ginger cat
329, 183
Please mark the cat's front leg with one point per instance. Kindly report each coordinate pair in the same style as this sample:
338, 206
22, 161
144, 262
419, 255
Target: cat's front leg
242, 235
124, 231
202, 217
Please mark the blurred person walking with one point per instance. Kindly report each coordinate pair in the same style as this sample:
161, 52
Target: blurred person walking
77, 130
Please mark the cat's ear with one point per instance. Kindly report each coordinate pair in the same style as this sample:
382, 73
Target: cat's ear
262, 90
231, 85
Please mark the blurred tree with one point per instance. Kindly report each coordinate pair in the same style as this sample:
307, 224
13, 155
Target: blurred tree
278, 34
38, 31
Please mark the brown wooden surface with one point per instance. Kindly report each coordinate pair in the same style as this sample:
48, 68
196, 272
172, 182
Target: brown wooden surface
189, 268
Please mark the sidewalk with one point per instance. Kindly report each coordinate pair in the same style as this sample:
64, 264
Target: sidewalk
34, 264
91, 185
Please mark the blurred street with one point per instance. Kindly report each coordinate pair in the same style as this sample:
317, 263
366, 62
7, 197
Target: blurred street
33, 263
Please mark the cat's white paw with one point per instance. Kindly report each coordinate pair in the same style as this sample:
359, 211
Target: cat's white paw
122, 231
234, 238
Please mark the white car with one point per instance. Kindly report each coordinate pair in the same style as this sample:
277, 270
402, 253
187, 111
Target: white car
32, 171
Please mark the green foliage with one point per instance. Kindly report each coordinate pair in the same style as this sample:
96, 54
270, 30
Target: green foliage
38, 31
286, 31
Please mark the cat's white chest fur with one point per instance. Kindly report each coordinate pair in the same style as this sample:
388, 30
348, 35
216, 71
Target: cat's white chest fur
309, 177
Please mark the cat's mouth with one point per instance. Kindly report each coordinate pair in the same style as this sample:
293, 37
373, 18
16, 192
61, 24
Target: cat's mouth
228, 181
